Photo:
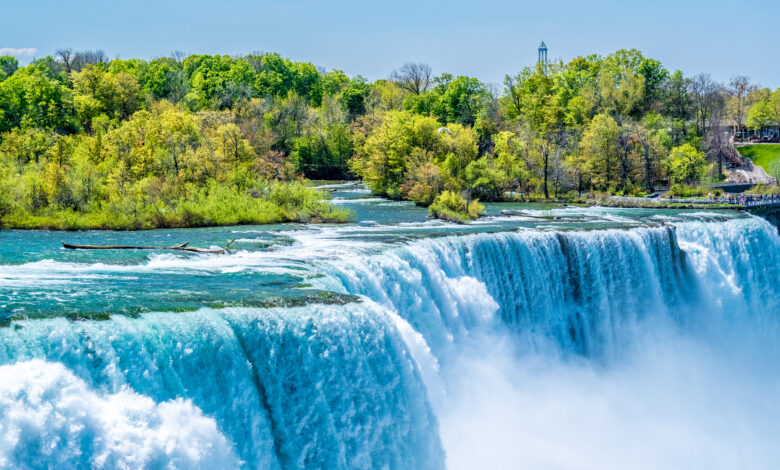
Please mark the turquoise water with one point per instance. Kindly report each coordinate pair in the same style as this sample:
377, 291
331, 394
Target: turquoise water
579, 337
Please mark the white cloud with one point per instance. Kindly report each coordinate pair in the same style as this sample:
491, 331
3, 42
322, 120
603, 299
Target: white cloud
23, 51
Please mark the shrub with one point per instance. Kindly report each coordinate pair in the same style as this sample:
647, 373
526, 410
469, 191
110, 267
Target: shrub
452, 207
762, 188
681, 190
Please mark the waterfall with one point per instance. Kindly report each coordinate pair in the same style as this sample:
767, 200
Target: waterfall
452, 336
583, 291
320, 387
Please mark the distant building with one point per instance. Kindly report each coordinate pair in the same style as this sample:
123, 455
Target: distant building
543, 54
765, 134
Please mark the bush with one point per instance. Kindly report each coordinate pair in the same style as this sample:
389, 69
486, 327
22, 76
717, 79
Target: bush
762, 188
452, 207
681, 190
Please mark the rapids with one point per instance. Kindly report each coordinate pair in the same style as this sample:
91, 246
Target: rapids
595, 338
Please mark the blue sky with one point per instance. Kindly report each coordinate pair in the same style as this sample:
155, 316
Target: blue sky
486, 39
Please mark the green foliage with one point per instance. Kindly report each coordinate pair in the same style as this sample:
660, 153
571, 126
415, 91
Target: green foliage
395, 159
460, 100
353, 97
765, 111
324, 154
762, 188
680, 190
452, 207
686, 164
8, 66
133, 143
29, 98
165, 167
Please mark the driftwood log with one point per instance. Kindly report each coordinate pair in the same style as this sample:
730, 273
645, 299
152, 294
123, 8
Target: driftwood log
523, 214
182, 247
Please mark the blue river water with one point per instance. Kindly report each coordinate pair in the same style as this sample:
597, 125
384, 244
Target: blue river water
566, 337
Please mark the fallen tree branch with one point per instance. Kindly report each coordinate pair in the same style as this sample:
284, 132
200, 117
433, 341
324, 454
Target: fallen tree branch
524, 214
182, 247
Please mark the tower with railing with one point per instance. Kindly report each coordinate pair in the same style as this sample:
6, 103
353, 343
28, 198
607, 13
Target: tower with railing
543, 55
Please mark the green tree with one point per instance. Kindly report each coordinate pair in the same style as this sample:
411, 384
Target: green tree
353, 97
382, 160
686, 164
535, 94
600, 147
8, 66
29, 98
461, 100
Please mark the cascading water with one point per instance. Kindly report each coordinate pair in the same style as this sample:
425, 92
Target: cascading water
321, 387
642, 347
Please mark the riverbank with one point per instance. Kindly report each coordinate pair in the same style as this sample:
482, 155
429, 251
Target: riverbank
214, 206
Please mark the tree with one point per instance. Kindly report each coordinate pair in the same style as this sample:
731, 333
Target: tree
535, 96
649, 134
414, 78
29, 98
705, 93
333, 82
686, 164
324, 152
164, 79
461, 100
287, 119
600, 147
739, 88
489, 177
655, 76
65, 55
678, 102
403, 141
717, 141
8, 66
82, 58
622, 94
761, 114
353, 97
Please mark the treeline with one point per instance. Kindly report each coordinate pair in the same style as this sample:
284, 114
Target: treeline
201, 140
620, 124
152, 143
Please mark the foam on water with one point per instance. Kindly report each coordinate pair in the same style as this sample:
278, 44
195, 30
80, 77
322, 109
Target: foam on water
50, 418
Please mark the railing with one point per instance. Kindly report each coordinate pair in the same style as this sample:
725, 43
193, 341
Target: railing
744, 201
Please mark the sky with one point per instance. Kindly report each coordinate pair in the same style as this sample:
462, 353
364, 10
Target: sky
486, 39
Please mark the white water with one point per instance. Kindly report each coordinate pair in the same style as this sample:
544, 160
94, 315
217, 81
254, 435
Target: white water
610, 349
52, 418
642, 348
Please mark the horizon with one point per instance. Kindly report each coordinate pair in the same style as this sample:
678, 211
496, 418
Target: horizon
326, 35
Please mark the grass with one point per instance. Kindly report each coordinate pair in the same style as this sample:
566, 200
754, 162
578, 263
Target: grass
214, 205
761, 154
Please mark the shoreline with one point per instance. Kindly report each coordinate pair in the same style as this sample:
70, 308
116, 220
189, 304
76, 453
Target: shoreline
620, 204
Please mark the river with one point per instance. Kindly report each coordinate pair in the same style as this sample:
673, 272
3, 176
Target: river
587, 338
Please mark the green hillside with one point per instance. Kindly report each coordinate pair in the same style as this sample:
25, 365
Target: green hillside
761, 154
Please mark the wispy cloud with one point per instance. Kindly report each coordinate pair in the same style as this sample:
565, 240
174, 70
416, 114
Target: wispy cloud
18, 51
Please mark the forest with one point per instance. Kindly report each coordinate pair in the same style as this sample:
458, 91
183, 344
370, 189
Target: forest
179, 141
